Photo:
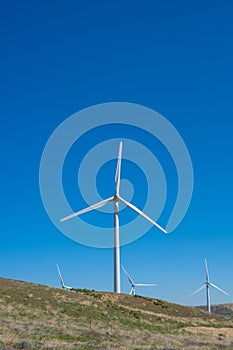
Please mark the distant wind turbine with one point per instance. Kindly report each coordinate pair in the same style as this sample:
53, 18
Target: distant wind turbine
134, 285
207, 285
116, 198
61, 280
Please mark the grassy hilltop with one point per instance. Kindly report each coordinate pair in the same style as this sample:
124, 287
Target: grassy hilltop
40, 317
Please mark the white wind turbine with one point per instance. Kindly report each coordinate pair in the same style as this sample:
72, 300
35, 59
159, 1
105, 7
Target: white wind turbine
116, 198
134, 285
61, 280
207, 285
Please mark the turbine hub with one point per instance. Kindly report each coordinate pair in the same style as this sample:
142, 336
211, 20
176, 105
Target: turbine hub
115, 198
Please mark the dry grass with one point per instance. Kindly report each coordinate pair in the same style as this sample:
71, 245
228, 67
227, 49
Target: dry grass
39, 317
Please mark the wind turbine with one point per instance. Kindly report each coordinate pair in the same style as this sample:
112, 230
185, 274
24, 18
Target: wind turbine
207, 285
134, 285
116, 198
61, 280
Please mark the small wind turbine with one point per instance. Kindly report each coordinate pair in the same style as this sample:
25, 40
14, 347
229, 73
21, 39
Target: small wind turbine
134, 285
61, 280
207, 285
116, 198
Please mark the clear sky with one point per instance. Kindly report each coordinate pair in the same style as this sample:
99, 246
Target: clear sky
58, 57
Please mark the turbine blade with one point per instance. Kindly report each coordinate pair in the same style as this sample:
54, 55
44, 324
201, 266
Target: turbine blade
68, 287
118, 170
198, 290
206, 271
213, 285
129, 278
145, 284
131, 291
92, 207
141, 213
60, 276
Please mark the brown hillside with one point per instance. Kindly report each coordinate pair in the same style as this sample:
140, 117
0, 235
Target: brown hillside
40, 317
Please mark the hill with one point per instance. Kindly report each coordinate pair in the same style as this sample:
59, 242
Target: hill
40, 317
222, 309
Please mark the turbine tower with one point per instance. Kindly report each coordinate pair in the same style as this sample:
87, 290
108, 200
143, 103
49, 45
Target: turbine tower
116, 198
207, 285
134, 285
61, 280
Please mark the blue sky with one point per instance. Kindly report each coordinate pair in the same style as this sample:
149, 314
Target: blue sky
174, 57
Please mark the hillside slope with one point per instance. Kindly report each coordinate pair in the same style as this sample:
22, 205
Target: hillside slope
223, 309
40, 317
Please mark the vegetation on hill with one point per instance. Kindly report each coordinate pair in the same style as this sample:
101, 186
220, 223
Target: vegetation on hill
222, 309
40, 317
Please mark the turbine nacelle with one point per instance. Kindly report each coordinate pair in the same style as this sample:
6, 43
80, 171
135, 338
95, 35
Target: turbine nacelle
115, 198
